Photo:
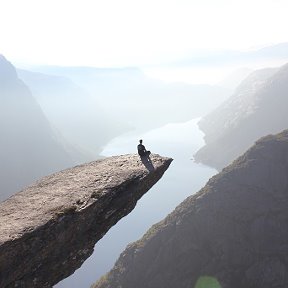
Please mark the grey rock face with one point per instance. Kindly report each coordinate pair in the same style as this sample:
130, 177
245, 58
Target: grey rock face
257, 108
51, 227
234, 230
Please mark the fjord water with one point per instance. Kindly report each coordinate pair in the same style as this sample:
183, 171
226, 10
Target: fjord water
183, 178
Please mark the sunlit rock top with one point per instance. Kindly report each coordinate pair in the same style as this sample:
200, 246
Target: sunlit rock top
51, 227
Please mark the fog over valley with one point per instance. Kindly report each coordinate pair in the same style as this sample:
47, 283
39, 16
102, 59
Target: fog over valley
203, 84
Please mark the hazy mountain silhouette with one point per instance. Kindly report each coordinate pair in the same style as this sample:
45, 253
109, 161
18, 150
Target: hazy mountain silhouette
257, 108
234, 79
275, 51
128, 94
267, 54
28, 147
70, 108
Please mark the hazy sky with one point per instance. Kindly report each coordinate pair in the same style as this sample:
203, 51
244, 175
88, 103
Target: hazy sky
134, 32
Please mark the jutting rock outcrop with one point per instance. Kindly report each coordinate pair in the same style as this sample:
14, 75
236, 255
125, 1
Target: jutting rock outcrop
257, 108
51, 227
232, 233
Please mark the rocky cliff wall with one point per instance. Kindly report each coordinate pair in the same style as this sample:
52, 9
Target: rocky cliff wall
50, 228
257, 108
232, 233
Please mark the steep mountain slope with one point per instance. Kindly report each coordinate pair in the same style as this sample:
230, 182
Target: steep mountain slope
257, 108
232, 233
71, 110
28, 146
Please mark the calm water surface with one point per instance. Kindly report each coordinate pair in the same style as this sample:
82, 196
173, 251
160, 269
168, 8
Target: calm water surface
184, 177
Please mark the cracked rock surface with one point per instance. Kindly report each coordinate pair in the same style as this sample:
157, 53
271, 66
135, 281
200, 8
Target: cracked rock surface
50, 228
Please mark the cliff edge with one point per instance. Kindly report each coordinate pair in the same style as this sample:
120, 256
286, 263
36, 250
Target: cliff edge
232, 233
51, 227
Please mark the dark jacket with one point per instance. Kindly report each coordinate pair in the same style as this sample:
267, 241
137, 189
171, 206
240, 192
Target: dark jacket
141, 150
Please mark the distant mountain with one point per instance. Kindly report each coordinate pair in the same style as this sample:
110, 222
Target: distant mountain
130, 96
29, 148
279, 51
231, 234
233, 80
268, 55
71, 109
258, 107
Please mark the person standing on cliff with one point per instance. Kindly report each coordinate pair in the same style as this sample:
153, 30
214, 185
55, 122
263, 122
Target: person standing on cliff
142, 150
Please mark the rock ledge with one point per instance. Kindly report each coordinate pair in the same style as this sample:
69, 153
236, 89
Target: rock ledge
51, 227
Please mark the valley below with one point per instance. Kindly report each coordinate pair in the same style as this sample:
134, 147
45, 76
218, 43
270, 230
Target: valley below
184, 177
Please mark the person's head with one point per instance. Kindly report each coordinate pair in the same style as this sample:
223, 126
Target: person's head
141, 141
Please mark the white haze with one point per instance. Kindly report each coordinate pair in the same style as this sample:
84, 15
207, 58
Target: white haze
135, 33
163, 39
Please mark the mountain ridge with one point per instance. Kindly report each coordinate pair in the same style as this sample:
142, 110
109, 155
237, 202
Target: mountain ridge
254, 110
234, 230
